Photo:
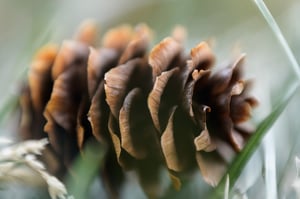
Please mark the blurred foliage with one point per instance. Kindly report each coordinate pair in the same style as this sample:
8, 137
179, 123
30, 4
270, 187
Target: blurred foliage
85, 168
27, 25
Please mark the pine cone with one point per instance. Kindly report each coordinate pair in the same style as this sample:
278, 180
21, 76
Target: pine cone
162, 109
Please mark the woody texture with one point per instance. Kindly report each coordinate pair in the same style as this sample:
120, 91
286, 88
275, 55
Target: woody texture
152, 108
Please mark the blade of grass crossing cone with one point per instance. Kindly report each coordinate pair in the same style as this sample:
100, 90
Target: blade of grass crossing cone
85, 170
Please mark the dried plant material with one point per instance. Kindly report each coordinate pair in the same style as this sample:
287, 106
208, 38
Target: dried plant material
211, 166
136, 48
237, 88
202, 57
122, 157
176, 182
87, 32
179, 33
177, 142
98, 115
237, 139
162, 55
40, 82
120, 80
159, 110
130, 128
187, 99
221, 81
116, 85
169, 148
71, 53
56, 188
62, 110
203, 142
63, 104
142, 30
19, 163
154, 99
99, 62
118, 38
4, 140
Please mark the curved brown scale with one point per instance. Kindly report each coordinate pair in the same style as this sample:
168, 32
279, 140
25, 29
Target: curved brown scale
252, 101
212, 167
123, 158
26, 115
39, 76
87, 32
119, 80
98, 115
155, 97
219, 122
138, 134
177, 142
131, 125
220, 81
84, 129
240, 109
179, 33
241, 105
136, 48
230, 109
116, 83
200, 114
118, 37
246, 93
202, 57
71, 53
237, 140
99, 62
63, 142
238, 69
115, 138
203, 142
189, 88
169, 148
163, 54
238, 88
142, 30
62, 111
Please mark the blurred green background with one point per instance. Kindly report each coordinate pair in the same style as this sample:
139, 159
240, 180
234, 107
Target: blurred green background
233, 24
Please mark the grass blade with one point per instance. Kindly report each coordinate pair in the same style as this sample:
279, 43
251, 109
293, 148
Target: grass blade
278, 34
84, 170
240, 161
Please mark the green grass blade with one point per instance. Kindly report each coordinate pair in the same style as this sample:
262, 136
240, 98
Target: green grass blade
278, 34
241, 160
84, 170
